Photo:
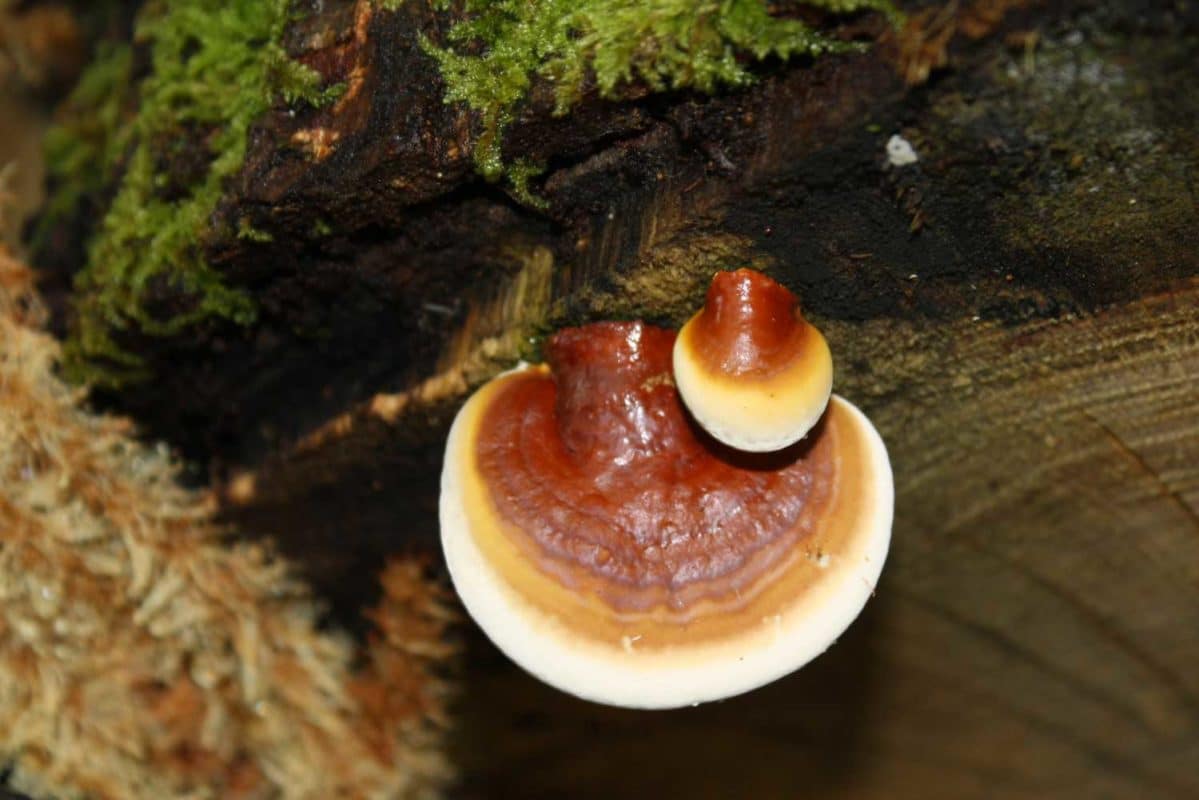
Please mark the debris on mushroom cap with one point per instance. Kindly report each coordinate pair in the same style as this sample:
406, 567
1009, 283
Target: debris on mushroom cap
617, 552
752, 371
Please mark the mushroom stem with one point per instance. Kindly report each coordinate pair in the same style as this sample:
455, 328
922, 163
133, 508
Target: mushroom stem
749, 325
616, 404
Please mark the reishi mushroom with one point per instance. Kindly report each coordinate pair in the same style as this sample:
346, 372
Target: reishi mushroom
615, 551
753, 372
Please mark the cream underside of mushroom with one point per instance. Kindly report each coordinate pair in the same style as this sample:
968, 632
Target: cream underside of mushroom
753, 415
617, 672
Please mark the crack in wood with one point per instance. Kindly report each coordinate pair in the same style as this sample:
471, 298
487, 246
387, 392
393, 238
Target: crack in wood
1138, 461
1102, 757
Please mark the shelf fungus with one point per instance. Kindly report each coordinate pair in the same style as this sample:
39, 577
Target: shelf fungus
614, 550
753, 372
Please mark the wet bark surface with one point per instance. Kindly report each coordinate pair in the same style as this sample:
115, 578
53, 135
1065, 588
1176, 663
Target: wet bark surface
384, 237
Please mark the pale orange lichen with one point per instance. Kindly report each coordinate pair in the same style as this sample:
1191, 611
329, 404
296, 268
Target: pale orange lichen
144, 654
319, 143
921, 46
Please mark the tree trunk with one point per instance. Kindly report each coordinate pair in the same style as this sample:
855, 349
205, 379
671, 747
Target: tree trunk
1016, 311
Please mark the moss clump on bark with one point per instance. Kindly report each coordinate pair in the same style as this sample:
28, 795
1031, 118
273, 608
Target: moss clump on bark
85, 151
215, 67
167, 143
494, 54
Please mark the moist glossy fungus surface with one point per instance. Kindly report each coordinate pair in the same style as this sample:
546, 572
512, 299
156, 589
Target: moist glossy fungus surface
749, 326
751, 370
613, 549
603, 481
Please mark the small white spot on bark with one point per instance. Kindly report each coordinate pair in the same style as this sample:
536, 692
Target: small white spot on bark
900, 152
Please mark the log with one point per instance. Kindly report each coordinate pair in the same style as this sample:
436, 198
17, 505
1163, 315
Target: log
1016, 311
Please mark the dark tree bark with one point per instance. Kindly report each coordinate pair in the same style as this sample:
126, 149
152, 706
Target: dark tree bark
1016, 311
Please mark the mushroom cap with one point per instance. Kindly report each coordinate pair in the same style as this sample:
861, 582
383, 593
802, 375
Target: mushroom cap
616, 552
752, 371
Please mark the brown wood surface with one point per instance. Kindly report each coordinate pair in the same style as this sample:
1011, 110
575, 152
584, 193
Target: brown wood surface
1034, 369
1017, 312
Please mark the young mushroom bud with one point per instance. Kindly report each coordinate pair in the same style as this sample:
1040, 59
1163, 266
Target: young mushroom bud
616, 552
750, 368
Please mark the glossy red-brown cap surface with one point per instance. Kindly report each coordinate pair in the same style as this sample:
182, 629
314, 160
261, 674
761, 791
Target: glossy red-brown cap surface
750, 325
752, 370
611, 537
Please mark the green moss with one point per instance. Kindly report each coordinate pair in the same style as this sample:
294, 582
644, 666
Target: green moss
215, 67
83, 153
496, 51
247, 231
320, 229
519, 173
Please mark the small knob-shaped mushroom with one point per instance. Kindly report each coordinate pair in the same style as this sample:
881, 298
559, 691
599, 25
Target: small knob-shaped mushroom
752, 371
